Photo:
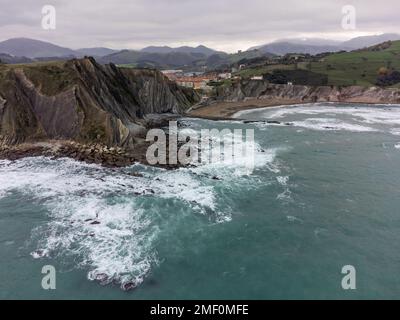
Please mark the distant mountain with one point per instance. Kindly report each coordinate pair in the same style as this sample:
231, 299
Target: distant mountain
315, 45
9, 59
368, 41
153, 59
282, 48
181, 60
313, 41
33, 48
96, 52
304, 41
185, 49
24, 47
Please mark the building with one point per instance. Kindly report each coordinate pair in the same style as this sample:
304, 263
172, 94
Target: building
225, 76
195, 82
172, 74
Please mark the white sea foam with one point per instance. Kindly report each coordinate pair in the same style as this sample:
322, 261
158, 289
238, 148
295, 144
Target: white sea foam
283, 180
96, 216
328, 124
325, 116
294, 219
368, 114
395, 131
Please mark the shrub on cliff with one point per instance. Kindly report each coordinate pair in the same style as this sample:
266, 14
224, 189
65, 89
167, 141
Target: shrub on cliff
388, 79
299, 76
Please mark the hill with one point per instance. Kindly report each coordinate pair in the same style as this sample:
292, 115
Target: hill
96, 52
83, 101
282, 48
153, 60
316, 46
33, 48
360, 67
368, 41
185, 49
376, 65
181, 60
9, 59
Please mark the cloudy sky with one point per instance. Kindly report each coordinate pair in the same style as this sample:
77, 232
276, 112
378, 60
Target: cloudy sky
228, 25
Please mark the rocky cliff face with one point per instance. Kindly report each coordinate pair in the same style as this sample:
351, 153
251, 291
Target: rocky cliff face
243, 90
83, 101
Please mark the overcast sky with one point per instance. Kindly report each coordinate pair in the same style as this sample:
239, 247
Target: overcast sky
228, 25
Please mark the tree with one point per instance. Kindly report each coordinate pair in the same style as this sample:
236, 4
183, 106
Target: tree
383, 71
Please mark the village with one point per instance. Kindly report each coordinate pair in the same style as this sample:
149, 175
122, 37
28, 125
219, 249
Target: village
205, 80
196, 80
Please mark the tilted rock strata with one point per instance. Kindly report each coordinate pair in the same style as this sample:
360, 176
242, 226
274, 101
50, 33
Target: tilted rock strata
82, 101
262, 90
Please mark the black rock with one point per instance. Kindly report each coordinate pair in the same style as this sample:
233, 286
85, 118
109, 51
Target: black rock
128, 286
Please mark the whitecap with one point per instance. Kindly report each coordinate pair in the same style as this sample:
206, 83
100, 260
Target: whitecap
96, 217
327, 124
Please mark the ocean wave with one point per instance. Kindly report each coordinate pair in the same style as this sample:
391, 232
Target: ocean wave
328, 124
325, 116
379, 114
96, 215
395, 131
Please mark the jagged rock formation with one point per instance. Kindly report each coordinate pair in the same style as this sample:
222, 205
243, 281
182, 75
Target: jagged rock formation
82, 101
251, 89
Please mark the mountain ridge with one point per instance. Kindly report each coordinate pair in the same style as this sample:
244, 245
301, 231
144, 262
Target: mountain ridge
316, 46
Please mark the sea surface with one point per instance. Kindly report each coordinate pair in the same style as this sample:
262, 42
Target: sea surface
324, 193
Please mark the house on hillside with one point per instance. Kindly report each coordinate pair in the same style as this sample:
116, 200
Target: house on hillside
225, 76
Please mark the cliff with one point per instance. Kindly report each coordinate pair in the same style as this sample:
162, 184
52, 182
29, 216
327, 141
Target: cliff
84, 102
252, 89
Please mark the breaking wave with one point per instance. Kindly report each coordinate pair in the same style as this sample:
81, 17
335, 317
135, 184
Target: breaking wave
103, 218
332, 117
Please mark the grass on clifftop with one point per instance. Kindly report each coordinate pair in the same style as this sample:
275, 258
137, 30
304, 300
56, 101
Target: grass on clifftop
343, 69
358, 67
51, 78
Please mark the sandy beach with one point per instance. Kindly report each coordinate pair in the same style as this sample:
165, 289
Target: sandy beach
227, 110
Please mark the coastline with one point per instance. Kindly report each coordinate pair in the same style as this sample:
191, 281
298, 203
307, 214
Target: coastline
254, 95
110, 157
227, 110
115, 157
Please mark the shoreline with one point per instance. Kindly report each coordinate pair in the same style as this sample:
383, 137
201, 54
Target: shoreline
118, 157
227, 110
109, 157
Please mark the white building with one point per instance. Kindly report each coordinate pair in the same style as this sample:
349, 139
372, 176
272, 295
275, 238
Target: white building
226, 75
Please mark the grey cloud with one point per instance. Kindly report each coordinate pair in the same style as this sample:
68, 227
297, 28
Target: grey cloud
229, 24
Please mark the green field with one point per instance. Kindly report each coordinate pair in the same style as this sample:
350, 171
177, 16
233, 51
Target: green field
358, 68
347, 68
259, 71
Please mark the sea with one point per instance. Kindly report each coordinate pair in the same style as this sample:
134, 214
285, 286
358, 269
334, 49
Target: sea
324, 194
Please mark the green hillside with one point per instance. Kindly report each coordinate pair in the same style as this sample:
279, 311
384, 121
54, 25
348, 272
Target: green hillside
359, 67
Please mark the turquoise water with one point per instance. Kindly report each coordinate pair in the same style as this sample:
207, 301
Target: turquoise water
324, 194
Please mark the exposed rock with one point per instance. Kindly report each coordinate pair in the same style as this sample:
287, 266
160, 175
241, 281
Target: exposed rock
135, 174
99, 110
241, 91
